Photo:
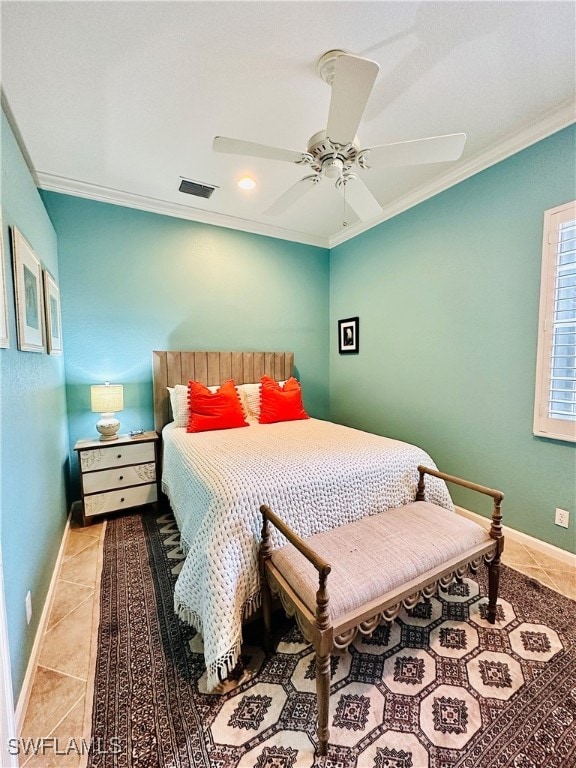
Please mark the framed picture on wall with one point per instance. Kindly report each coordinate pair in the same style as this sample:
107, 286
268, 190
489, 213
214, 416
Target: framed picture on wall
28, 291
53, 322
4, 332
349, 336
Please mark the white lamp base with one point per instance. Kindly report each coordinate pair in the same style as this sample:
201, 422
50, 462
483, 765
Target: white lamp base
108, 426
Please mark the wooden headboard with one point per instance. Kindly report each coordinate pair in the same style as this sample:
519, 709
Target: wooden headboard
211, 368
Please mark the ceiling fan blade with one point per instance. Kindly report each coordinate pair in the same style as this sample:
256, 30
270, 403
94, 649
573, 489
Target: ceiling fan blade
359, 197
435, 149
292, 194
252, 149
353, 81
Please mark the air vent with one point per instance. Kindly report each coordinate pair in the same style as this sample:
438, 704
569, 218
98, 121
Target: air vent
190, 187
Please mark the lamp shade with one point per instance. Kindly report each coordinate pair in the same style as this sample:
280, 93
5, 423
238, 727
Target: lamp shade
106, 398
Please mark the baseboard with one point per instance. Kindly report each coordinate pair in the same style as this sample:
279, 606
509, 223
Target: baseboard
26, 689
523, 538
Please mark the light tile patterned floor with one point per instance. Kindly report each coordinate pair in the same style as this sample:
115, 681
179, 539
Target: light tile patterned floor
62, 687
549, 571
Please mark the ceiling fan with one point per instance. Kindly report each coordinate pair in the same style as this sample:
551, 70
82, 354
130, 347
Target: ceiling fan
333, 153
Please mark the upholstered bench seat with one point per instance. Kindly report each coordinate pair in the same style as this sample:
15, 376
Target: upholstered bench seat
376, 565
375, 555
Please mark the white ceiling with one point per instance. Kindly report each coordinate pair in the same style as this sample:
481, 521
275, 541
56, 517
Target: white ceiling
118, 100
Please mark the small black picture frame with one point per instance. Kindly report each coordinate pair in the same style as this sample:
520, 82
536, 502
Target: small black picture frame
349, 336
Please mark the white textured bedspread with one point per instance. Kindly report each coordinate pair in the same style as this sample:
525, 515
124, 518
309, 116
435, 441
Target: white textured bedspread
314, 474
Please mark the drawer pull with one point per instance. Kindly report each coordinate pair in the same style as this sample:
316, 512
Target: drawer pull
121, 477
122, 499
119, 456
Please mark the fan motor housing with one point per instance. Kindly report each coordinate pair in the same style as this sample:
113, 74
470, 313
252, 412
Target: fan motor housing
331, 159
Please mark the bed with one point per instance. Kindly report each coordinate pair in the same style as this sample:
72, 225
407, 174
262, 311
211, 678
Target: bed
313, 473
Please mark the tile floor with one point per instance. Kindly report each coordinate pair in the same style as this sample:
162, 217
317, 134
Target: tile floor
61, 693
60, 700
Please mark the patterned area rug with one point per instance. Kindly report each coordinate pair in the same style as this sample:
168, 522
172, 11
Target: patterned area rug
439, 688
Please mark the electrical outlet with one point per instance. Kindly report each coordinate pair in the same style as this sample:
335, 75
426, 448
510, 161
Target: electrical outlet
562, 517
28, 607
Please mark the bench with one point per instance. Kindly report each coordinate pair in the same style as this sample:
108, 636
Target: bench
377, 564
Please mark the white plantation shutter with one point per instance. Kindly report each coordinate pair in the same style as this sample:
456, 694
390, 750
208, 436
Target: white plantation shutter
555, 407
562, 398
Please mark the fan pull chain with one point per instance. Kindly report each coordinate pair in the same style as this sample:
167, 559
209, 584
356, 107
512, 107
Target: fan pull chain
344, 222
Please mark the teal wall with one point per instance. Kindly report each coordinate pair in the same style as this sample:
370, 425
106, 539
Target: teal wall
447, 294
34, 437
136, 281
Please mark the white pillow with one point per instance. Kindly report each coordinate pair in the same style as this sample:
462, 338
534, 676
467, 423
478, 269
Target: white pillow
250, 399
179, 404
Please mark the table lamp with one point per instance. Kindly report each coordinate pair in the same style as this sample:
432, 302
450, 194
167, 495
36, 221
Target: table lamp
107, 399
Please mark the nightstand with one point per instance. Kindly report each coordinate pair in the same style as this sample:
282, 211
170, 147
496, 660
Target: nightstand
118, 474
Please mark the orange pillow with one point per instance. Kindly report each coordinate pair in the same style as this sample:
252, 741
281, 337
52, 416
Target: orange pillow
214, 410
280, 403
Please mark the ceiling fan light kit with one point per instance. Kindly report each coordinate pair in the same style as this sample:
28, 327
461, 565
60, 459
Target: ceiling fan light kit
334, 152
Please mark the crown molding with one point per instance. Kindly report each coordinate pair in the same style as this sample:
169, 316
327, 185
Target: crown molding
551, 123
17, 135
564, 116
67, 186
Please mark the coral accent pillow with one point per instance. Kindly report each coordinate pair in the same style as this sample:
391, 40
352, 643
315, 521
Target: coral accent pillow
250, 399
280, 403
214, 410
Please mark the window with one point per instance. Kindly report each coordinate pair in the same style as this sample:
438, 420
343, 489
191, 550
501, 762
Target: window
555, 406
